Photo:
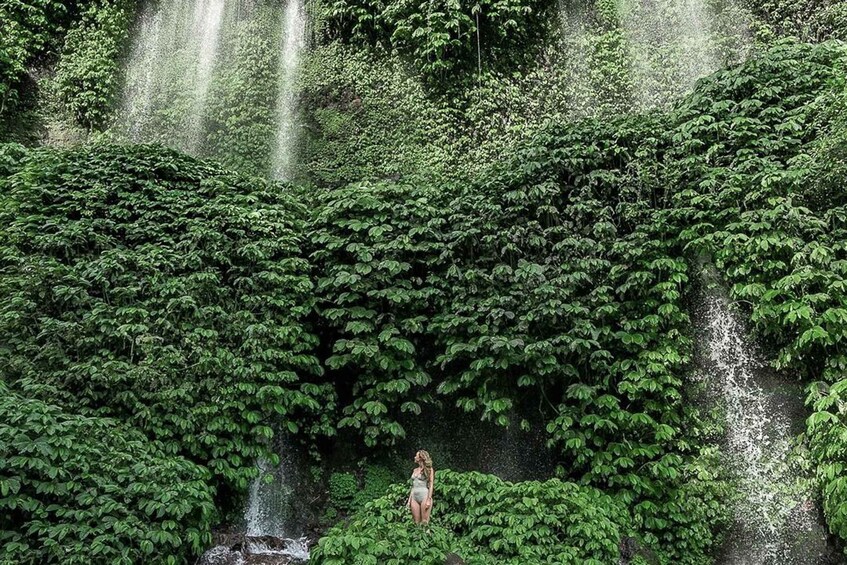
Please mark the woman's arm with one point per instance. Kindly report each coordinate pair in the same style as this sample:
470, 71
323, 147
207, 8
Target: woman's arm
431, 483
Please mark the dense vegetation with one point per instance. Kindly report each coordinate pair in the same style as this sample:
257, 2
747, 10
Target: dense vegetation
615, 363
445, 39
172, 296
163, 320
30, 30
87, 76
83, 490
549, 522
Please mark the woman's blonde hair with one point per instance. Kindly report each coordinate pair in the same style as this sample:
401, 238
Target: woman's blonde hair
427, 463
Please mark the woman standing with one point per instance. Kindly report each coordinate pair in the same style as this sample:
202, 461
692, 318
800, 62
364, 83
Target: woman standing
420, 496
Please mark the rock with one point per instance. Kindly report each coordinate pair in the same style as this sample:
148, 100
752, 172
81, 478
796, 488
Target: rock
453, 559
221, 555
239, 549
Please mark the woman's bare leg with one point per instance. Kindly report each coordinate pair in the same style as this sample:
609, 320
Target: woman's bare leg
425, 512
416, 511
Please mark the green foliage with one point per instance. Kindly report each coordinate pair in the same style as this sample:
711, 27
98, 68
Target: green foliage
144, 285
443, 37
88, 74
29, 29
809, 20
80, 490
763, 168
207, 309
377, 481
372, 247
484, 520
368, 118
346, 495
558, 281
11, 157
550, 285
342, 489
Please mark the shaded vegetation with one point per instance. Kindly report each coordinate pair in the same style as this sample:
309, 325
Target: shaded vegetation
79, 490
171, 296
549, 522
163, 320
88, 75
30, 30
444, 39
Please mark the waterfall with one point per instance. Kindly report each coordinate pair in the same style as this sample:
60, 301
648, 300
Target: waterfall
208, 15
141, 75
170, 71
293, 41
217, 78
671, 45
272, 512
637, 55
266, 504
776, 522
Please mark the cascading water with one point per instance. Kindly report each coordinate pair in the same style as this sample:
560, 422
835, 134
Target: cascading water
170, 71
671, 45
293, 41
665, 46
208, 15
776, 522
266, 510
272, 514
275, 508
217, 78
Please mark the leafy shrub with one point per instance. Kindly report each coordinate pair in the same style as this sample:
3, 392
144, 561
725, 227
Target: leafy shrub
372, 245
484, 520
441, 37
11, 156
342, 489
368, 118
29, 29
809, 20
88, 74
79, 490
377, 481
147, 286
347, 493
762, 164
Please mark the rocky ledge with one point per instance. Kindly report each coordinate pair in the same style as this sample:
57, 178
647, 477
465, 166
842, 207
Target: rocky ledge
239, 549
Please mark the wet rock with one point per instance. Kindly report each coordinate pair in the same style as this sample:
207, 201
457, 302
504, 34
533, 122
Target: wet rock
630, 549
221, 555
453, 559
238, 549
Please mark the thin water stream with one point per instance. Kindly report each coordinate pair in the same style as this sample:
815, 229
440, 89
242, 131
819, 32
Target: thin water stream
293, 42
776, 521
170, 70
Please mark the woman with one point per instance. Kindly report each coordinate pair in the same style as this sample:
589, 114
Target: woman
420, 495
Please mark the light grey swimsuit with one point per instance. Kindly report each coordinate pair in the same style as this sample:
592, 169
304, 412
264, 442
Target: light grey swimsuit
420, 489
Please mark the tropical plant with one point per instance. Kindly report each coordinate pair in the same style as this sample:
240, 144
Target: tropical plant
483, 519
444, 38
143, 285
79, 489
88, 74
30, 29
